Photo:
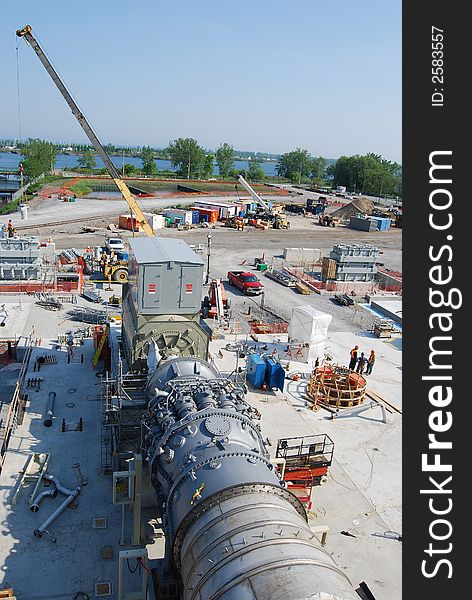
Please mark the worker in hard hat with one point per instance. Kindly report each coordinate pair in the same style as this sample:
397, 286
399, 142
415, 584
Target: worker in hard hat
353, 361
11, 229
370, 362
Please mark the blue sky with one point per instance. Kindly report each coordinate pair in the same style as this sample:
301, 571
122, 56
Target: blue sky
262, 75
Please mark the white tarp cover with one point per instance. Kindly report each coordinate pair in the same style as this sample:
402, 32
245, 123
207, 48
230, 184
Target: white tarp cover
153, 357
309, 326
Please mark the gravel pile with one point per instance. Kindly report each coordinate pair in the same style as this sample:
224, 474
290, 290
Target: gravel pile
360, 205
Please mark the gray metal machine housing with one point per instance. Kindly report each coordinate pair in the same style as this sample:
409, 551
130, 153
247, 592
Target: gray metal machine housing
162, 300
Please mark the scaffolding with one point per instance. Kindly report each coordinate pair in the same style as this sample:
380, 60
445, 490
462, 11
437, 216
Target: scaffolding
122, 405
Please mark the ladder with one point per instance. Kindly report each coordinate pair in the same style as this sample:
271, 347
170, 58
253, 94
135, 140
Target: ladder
219, 301
100, 345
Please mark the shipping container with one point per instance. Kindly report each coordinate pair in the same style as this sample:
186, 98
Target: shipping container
183, 217
209, 215
129, 223
362, 224
225, 209
381, 223
155, 221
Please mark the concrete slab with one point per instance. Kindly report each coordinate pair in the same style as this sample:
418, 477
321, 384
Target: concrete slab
364, 487
362, 495
74, 562
17, 316
392, 309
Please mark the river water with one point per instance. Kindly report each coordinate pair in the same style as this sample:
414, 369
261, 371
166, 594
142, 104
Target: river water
10, 160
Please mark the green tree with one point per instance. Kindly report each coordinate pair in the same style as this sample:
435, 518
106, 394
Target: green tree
255, 171
147, 158
187, 156
369, 174
295, 165
129, 169
318, 167
87, 160
225, 158
208, 166
40, 157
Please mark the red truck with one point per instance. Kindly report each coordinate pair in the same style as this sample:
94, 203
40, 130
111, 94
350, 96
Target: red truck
247, 282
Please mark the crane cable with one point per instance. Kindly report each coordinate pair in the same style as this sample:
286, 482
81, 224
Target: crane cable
18, 89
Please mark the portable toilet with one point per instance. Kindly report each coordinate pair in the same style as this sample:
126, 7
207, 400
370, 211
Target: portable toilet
274, 374
255, 370
23, 210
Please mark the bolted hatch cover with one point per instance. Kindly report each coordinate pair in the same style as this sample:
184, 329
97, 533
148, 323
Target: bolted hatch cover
218, 425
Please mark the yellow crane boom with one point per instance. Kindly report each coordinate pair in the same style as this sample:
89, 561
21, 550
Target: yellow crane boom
27, 34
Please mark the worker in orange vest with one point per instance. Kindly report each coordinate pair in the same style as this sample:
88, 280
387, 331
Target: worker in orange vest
353, 361
11, 229
370, 362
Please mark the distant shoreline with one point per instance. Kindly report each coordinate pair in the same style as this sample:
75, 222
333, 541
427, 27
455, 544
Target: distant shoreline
137, 155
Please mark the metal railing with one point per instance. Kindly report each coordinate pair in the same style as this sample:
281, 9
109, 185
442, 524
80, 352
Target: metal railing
16, 409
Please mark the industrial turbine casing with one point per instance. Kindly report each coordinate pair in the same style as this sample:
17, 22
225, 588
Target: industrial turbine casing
232, 529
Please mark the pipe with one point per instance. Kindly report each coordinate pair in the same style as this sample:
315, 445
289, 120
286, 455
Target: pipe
57, 483
52, 493
39, 532
71, 495
49, 409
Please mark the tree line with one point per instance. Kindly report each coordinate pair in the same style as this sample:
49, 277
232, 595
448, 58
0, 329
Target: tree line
369, 174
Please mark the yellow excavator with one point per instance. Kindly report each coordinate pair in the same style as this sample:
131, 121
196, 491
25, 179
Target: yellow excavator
117, 272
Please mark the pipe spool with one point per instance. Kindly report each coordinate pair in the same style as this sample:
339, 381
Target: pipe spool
71, 496
233, 531
49, 409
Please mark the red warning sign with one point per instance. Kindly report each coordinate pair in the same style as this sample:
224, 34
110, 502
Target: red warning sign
152, 288
189, 288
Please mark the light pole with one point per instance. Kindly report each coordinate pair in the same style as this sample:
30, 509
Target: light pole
208, 257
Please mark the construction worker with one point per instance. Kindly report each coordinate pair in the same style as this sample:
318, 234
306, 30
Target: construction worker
11, 229
370, 362
353, 361
360, 363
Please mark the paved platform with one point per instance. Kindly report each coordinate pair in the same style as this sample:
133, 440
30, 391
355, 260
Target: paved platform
363, 494
38, 568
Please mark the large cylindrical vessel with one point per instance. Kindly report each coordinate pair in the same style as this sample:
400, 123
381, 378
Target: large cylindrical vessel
233, 531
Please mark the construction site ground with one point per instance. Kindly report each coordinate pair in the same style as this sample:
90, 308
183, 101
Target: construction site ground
362, 496
65, 223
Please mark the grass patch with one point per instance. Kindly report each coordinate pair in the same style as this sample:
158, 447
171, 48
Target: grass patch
152, 185
81, 188
9, 207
